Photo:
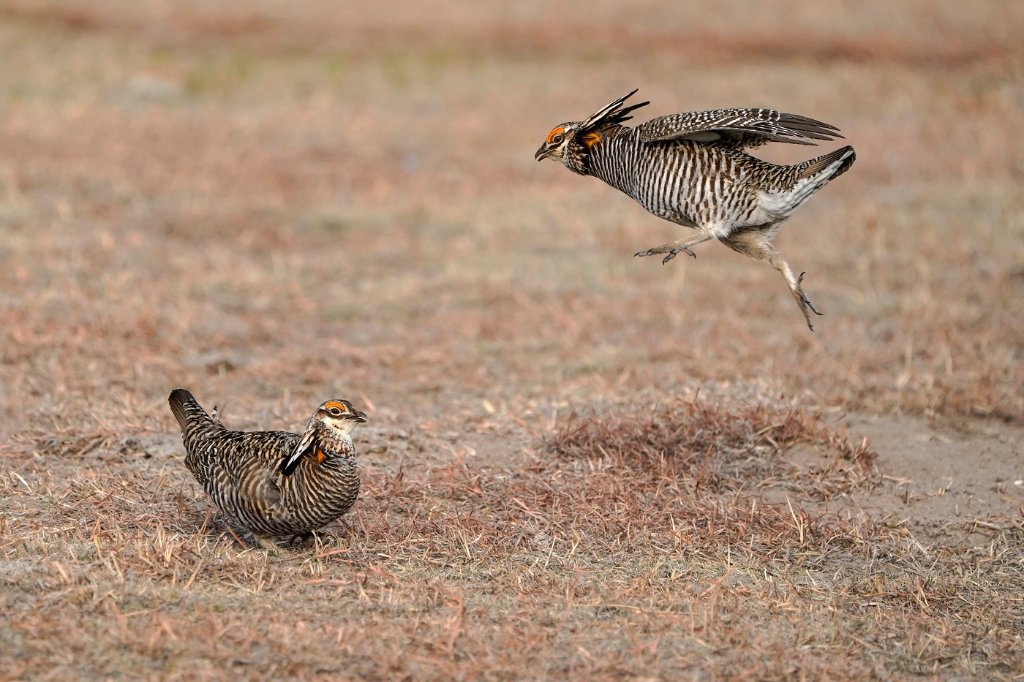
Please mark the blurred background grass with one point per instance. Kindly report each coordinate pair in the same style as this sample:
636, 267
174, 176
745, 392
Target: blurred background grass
341, 200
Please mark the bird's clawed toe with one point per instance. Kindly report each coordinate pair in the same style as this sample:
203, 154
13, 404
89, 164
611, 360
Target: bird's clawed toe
669, 251
804, 302
648, 252
675, 251
803, 297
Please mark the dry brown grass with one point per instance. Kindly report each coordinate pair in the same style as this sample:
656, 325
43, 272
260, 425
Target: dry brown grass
711, 447
578, 464
645, 544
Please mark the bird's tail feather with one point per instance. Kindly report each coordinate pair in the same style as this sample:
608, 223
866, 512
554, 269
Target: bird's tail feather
841, 159
185, 408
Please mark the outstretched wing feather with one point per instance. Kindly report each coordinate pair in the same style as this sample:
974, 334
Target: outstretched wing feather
742, 127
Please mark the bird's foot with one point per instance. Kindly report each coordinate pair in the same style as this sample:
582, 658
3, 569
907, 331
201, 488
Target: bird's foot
267, 543
300, 539
675, 251
670, 252
805, 303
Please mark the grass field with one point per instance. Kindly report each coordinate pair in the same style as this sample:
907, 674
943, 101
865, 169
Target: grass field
578, 464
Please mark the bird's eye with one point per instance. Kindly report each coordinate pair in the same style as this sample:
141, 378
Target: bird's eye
557, 139
334, 412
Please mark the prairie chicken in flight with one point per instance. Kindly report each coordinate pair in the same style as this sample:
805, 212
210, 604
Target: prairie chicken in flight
274, 483
691, 169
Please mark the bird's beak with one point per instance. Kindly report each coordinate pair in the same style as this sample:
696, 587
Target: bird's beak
358, 416
542, 153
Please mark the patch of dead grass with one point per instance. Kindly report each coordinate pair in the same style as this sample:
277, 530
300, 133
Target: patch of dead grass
722, 448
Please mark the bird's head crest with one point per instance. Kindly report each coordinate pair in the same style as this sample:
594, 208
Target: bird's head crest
571, 142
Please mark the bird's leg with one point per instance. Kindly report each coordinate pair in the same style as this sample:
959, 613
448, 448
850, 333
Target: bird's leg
754, 243
795, 287
267, 543
673, 248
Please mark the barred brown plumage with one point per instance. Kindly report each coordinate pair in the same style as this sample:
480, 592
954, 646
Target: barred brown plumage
274, 483
690, 169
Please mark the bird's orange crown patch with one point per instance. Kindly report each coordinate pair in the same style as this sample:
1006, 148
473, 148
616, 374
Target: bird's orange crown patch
335, 403
556, 131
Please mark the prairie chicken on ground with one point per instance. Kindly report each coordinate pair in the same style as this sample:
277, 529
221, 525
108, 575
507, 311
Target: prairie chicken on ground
274, 483
691, 169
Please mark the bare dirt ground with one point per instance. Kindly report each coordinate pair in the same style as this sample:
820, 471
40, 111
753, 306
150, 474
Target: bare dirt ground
578, 464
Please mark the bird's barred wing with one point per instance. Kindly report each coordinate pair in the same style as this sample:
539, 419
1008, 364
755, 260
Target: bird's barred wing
741, 127
301, 448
